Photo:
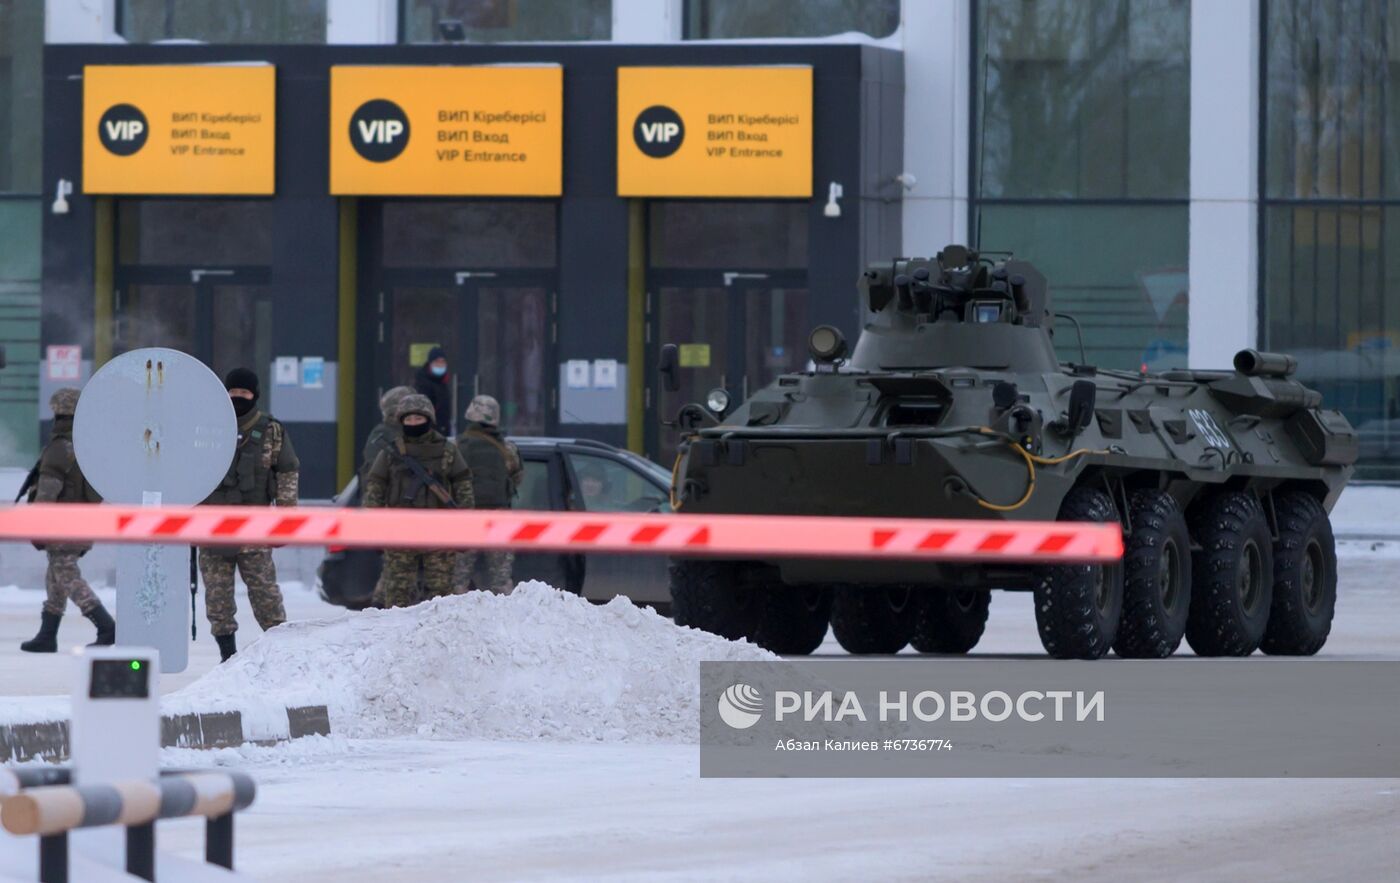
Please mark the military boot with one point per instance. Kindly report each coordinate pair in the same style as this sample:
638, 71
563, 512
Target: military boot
106, 626
47, 639
228, 645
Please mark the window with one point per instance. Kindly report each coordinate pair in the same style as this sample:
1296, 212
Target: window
500, 21
19, 330
720, 19
21, 96
21, 81
1081, 159
466, 235
194, 232
728, 235
245, 21
1330, 209
533, 493
605, 485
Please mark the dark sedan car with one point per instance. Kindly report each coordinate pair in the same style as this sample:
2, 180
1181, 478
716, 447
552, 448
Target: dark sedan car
561, 474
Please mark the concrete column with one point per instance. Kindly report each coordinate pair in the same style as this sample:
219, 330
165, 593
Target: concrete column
937, 55
647, 21
362, 21
80, 21
1224, 253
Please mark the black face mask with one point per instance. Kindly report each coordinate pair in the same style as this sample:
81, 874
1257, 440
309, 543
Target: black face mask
243, 407
416, 431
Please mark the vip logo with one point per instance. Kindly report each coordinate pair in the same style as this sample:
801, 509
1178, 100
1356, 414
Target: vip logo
379, 130
123, 129
658, 131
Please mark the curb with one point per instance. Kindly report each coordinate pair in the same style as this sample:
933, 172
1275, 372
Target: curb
48, 740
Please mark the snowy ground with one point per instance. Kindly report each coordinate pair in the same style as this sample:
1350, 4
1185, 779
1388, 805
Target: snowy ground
454, 808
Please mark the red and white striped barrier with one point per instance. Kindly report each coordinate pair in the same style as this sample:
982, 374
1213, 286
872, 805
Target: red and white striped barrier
718, 535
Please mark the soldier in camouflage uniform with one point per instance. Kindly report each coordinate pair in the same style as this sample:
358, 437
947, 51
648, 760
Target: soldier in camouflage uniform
264, 471
397, 480
496, 474
61, 481
382, 436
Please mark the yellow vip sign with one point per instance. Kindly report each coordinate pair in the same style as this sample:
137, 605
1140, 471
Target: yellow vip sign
447, 131
714, 131
197, 129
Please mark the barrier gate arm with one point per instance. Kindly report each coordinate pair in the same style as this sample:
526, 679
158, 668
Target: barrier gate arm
792, 536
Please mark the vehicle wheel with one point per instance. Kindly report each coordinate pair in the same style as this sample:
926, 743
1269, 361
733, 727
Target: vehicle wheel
1231, 576
1305, 578
1077, 606
792, 620
1156, 579
949, 620
714, 596
872, 619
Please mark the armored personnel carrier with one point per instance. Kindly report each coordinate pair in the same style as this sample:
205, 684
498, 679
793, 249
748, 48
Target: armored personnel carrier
953, 405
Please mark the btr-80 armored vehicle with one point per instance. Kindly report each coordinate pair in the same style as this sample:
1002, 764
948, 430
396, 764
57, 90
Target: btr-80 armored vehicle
954, 405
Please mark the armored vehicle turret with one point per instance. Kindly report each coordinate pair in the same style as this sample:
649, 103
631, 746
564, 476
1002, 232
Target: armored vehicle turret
952, 404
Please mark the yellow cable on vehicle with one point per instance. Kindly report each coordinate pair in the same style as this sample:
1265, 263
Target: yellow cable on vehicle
676, 471
1031, 460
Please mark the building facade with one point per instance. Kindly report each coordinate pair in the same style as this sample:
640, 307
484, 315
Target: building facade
1193, 177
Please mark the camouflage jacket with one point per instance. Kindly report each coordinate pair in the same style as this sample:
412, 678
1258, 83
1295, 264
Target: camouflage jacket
60, 479
393, 484
381, 437
265, 469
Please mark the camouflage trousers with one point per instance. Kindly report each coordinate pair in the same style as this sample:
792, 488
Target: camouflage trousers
400, 575
378, 598
63, 581
487, 570
216, 566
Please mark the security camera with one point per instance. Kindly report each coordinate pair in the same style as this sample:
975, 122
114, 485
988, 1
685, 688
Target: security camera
906, 180
61, 193
834, 192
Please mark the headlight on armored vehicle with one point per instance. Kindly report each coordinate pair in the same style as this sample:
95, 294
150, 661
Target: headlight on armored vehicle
717, 400
826, 343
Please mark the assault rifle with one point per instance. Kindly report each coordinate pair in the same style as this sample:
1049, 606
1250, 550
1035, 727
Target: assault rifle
424, 478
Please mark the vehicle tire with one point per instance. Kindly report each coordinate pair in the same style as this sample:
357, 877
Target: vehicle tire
714, 596
1232, 576
1305, 578
792, 620
1078, 606
949, 620
1156, 578
872, 619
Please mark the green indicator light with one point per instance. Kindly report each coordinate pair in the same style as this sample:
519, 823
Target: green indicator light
135, 665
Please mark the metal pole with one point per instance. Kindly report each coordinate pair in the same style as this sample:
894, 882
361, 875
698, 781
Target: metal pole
141, 851
218, 841
53, 858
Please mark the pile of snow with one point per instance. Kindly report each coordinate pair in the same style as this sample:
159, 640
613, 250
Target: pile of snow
535, 664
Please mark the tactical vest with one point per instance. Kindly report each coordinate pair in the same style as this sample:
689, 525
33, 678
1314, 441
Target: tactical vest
60, 455
249, 480
435, 458
486, 457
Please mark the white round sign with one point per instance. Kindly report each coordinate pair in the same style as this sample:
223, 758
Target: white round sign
155, 427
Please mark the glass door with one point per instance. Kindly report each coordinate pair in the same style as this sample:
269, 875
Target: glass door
738, 335
699, 322
515, 329
775, 328
221, 317
497, 333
